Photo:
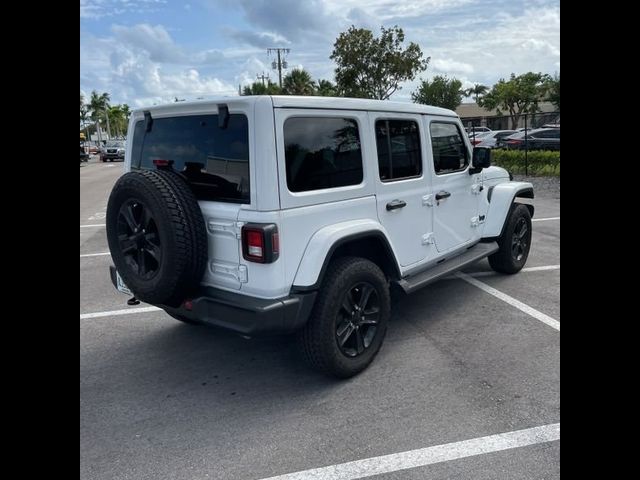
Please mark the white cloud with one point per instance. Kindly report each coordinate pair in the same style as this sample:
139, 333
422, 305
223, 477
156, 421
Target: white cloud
477, 42
96, 9
447, 65
153, 39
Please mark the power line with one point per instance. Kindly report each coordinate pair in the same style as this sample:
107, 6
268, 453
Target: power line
281, 63
262, 77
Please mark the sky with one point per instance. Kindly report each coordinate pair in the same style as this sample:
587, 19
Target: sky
145, 52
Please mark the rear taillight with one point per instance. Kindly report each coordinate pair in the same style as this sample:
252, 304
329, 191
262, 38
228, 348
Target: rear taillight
260, 242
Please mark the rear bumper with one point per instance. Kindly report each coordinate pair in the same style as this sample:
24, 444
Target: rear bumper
244, 314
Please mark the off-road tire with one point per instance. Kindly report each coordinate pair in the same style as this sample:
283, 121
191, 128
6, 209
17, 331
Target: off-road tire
505, 260
180, 228
318, 341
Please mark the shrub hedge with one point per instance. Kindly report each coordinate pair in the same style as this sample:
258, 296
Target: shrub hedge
540, 162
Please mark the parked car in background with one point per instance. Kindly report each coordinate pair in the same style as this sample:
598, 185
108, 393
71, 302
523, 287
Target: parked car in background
538, 139
490, 139
478, 137
113, 150
475, 130
84, 156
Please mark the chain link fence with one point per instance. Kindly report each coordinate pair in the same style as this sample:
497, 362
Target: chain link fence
530, 145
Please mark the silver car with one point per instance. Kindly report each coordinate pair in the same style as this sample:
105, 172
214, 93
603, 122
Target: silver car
490, 139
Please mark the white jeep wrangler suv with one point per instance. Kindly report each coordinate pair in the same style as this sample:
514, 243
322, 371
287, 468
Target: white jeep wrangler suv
282, 214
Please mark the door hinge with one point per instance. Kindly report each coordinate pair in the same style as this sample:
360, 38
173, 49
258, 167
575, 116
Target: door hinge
428, 239
476, 188
427, 201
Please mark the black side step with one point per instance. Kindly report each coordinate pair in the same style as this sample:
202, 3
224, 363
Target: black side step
473, 254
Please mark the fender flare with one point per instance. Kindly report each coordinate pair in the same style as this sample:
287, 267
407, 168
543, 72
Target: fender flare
501, 197
323, 244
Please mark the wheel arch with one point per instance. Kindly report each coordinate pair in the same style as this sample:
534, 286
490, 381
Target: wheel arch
370, 242
501, 197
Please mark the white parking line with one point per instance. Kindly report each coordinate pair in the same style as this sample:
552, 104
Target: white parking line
95, 254
552, 322
491, 273
126, 311
544, 219
94, 225
428, 456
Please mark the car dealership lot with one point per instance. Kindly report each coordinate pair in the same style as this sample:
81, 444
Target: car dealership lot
161, 399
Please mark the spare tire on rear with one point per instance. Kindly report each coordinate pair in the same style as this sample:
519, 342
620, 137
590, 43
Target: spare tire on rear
157, 236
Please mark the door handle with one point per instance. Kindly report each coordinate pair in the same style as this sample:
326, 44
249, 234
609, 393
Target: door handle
395, 204
442, 194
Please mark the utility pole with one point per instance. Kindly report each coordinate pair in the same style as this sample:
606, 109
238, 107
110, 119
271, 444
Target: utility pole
281, 63
262, 77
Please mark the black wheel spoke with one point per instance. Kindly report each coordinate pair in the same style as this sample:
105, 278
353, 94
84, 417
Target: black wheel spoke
142, 269
128, 245
523, 232
151, 237
359, 341
346, 332
348, 304
127, 213
370, 319
364, 297
154, 252
144, 218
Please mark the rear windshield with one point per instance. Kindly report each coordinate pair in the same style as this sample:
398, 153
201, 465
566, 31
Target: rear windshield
215, 161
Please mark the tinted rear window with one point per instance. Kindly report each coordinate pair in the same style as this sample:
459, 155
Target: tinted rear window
215, 161
322, 152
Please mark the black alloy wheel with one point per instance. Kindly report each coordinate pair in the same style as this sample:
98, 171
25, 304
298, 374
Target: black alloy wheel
358, 317
139, 239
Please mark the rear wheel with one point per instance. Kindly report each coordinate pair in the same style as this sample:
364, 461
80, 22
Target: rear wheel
349, 320
514, 243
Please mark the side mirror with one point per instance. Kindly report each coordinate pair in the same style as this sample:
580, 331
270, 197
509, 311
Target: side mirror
481, 159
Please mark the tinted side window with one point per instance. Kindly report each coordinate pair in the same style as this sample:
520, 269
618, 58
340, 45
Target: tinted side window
215, 161
449, 151
322, 152
398, 144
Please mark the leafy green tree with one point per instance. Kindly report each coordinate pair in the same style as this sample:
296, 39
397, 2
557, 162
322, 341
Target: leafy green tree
298, 82
119, 119
519, 95
553, 86
326, 89
258, 88
369, 67
440, 92
475, 91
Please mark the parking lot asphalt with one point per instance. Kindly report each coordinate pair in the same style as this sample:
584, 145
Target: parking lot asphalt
162, 399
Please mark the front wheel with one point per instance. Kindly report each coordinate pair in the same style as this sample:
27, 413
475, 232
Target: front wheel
514, 243
349, 320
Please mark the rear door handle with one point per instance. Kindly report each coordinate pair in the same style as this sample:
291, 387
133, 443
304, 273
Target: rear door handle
442, 194
395, 204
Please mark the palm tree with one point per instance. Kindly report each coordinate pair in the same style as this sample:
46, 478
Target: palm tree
84, 116
477, 90
298, 82
326, 89
98, 105
258, 88
118, 118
